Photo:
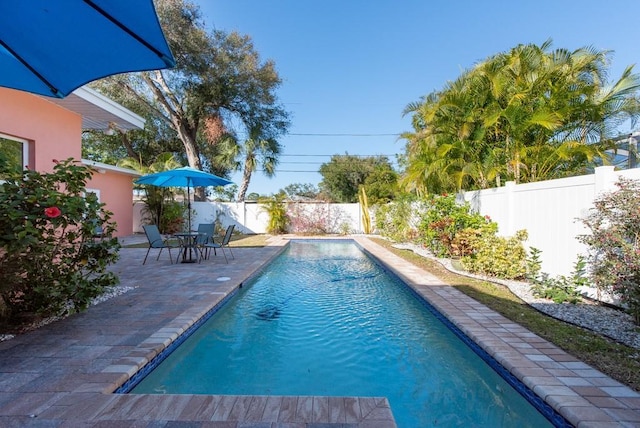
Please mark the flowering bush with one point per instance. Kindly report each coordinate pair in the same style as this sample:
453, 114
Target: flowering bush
49, 261
614, 244
443, 219
316, 219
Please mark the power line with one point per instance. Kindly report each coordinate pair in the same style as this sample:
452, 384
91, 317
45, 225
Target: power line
359, 156
287, 170
343, 135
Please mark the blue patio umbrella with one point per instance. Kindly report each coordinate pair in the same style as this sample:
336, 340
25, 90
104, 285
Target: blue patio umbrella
183, 177
53, 47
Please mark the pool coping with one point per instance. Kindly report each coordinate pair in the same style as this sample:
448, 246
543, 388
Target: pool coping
88, 360
583, 395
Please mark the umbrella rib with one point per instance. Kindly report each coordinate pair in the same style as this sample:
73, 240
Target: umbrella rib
166, 59
43, 79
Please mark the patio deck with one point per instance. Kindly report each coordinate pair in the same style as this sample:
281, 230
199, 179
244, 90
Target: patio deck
63, 374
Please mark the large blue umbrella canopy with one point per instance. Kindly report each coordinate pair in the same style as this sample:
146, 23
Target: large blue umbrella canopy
183, 177
51, 47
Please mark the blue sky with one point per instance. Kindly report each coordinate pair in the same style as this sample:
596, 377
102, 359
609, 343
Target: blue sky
352, 66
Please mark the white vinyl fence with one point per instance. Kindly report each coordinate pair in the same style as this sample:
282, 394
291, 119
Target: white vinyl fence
250, 217
550, 211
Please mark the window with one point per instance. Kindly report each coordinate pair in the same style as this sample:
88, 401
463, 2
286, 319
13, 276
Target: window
94, 191
14, 154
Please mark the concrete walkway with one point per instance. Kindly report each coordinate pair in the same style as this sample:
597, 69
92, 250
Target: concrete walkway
64, 374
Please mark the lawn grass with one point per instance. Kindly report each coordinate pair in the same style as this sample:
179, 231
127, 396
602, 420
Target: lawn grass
618, 361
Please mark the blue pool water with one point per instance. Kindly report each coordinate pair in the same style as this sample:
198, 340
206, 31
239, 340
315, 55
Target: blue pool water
324, 319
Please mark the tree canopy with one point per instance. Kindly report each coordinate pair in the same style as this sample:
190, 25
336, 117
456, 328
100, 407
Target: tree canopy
343, 175
219, 91
528, 114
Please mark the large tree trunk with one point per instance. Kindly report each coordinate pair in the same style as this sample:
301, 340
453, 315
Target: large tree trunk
193, 154
244, 186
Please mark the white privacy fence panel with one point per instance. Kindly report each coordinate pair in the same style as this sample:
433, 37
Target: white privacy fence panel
247, 217
250, 217
550, 211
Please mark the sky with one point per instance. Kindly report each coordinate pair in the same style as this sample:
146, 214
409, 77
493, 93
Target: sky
350, 67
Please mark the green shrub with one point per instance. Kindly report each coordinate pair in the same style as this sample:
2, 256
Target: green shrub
561, 289
395, 219
443, 219
49, 261
614, 244
498, 256
172, 216
278, 217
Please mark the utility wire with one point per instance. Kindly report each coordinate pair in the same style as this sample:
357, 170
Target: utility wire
359, 156
343, 135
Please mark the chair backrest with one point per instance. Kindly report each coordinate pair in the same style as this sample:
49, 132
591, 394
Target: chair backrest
207, 230
153, 235
227, 234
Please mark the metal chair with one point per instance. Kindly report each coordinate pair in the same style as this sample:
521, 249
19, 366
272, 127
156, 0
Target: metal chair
207, 232
156, 241
224, 243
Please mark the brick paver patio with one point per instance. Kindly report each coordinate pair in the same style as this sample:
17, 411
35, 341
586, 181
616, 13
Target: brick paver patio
63, 374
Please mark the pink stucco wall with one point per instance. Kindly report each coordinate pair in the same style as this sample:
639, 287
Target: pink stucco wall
54, 132
116, 191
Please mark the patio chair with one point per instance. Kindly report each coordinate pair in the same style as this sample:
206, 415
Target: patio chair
207, 232
221, 245
156, 241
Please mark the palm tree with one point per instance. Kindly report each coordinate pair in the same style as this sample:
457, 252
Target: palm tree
257, 151
527, 114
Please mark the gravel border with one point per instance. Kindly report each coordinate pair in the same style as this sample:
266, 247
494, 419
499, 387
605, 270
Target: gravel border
609, 322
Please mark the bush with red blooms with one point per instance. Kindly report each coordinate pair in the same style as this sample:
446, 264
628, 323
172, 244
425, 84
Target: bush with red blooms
50, 263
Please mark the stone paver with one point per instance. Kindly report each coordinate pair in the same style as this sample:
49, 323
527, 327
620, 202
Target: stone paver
582, 395
64, 374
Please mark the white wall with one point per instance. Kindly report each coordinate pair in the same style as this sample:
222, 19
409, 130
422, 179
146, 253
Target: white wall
549, 211
249, 217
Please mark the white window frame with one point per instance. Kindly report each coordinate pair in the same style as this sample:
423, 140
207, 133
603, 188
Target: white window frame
25, 147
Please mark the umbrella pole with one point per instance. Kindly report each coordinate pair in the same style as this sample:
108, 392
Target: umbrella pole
188, 208
189, 240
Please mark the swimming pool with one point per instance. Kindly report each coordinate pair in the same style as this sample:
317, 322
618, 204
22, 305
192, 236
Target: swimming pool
324, 319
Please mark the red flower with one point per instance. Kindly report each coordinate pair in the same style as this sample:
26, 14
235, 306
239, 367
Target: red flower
52, 212
55, 160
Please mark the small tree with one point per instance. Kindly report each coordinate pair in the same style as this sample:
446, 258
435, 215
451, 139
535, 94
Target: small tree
614, 244
397, 220
49, 262
277, 211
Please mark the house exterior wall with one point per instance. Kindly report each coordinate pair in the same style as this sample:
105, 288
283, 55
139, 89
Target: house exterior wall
54, 132
116, 190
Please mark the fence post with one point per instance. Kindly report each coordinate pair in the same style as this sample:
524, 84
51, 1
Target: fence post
605, 179
509, 202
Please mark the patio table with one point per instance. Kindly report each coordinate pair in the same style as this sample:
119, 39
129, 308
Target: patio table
189, 241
